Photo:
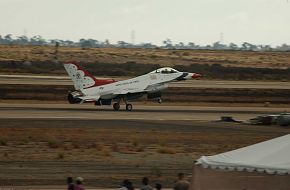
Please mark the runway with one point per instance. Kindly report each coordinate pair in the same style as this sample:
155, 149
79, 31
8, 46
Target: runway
140, 112
65, 80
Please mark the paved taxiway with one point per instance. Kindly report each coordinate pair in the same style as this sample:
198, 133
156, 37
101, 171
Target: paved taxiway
64, 80
140, 112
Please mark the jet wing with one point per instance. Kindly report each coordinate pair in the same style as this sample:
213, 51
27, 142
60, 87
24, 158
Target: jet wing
156, 87
89, 98
129, 91
150, 88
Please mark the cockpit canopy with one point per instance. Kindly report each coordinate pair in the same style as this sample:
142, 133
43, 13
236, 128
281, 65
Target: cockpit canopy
165, 70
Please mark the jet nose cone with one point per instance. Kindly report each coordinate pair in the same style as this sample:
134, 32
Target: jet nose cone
195, 75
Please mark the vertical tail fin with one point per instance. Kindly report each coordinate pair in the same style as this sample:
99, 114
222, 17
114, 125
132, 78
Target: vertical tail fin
81, 78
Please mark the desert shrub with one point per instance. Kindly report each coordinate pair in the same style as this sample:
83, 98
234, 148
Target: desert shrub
115, 147
155, 170
3, 142
105, 152
166, 150
135, 143
95, 145
186, 54
54, 144
140, 149
75, 145
60, 155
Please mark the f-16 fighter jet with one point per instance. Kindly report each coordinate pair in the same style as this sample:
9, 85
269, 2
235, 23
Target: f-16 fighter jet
105, 92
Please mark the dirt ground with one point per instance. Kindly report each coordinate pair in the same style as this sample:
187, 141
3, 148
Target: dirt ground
104, 152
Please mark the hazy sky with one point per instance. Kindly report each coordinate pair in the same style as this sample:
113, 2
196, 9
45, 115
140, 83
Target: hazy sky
199, 21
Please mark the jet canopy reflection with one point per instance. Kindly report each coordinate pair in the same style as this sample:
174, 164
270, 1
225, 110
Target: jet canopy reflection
165, 70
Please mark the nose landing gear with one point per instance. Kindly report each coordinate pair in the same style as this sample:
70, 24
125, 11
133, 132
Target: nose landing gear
129, 107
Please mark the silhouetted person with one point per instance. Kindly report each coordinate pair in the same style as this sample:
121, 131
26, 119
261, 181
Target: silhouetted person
70, 184
79, 182
145, 184
127, 185
182, 183
158, 186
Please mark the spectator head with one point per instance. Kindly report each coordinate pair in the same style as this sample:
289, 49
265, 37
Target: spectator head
125, 183
158, 186
69, 180
145, 181
180, 175
128, 184
79, 180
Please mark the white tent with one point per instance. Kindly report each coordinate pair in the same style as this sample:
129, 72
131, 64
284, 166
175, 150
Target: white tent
254, 164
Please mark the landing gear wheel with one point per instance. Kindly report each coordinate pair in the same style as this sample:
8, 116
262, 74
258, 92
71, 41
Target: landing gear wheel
129, 107
159, 100
116, 106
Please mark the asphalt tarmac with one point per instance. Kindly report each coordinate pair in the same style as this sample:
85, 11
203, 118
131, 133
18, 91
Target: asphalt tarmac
140, 112
64, 80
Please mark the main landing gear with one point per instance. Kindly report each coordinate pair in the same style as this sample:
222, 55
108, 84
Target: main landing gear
116, 106
129, 107
159, 100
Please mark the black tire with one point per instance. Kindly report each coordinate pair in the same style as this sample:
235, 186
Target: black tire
116, 106
159, 100
129, 107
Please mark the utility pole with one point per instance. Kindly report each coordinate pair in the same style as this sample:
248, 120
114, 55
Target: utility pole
56, 52
133, 37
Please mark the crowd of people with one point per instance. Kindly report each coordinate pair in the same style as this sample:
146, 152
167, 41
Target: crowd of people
180, 184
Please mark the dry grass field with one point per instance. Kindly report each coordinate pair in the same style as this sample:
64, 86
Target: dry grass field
227, 65
147, 56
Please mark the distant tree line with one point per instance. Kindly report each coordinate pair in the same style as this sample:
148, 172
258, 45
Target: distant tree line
8, 39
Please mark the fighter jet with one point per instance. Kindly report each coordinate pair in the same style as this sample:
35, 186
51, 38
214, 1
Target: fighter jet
104, 92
